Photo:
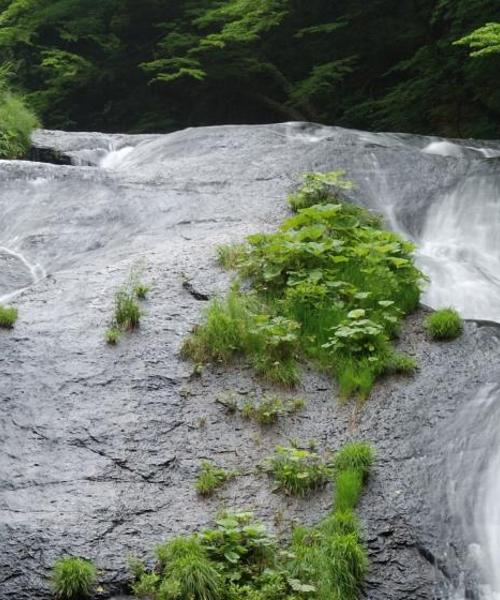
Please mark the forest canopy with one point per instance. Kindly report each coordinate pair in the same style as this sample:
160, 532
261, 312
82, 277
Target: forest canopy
423, 66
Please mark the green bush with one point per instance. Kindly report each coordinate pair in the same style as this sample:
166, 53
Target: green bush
211, 478
320, 188
298, 472
73, 578
8, 316
331, 285
444, 324
16, 124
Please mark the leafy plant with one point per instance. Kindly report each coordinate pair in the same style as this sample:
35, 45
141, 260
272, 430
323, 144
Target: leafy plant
270, 409
73, 578
298, 472
8, 316
444, 324
330, 285
211, 478
320, 188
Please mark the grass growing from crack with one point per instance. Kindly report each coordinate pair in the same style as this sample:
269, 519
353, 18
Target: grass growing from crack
73, 578
238, 559
127, 312
8, 316
331, 285
211, 477
444, 324
270, 409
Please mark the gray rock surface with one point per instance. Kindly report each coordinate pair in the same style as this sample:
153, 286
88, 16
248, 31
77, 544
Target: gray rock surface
100, 446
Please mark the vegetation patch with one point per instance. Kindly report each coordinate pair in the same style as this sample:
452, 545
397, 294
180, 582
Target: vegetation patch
444, 324
330, 286
16, 123
270, 409
211, 478
239, 560
8, 316
298, 472
73, 578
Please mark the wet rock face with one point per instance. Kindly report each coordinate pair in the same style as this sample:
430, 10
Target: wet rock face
101, 445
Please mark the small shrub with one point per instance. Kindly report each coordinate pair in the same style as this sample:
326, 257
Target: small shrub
444, 324
141, 290
298, 472
127, 311
320, 188
113, 335
228, 255
8, 316
73, 578
356, 455
270, 409
211, 478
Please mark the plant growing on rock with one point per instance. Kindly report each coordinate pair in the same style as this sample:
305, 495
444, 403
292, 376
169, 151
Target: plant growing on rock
270, 409
331, 285
73, 578
444, 324
211, 477
8, 316
298, 472
320, 188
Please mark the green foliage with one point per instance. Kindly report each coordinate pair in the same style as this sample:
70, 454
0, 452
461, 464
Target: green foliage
210, 478
239, 560
73, 578
331, 285
109, 65
298, 472
444, 324
270, 408
113, 335
17, 122
320, 188
8, 316
483, 41
127, 311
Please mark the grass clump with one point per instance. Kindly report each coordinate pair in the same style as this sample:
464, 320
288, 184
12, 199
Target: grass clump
270, 409
331, 285
141, 290
8, 316
331, 555
298, 472
210, 478
444, 324
17, 122
73, 578
113, 335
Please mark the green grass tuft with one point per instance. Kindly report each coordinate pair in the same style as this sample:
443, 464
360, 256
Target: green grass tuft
73, 578
356, 455
113, 335
210, 478
8, 316
270, 409
141, 290
127, 311
444, 324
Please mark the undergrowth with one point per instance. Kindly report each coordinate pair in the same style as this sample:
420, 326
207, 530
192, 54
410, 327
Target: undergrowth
8, 316
444, 324
73, 578
331, 285
238, 559
270, 409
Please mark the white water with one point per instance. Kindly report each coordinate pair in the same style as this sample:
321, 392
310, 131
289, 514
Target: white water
36, 271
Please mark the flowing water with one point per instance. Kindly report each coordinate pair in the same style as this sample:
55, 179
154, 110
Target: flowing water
444, 195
